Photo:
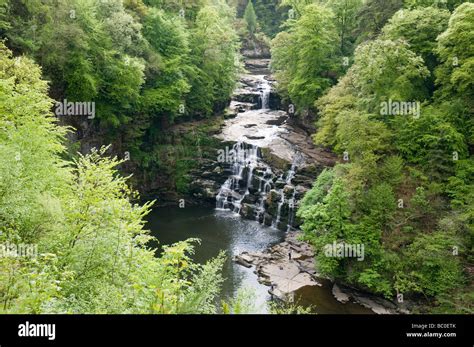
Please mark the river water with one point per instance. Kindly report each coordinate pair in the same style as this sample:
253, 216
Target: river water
224, 230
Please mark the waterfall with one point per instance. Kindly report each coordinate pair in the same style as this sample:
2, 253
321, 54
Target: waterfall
252, 189
265, 89
251, 186
292, 210
280, 204
243, 159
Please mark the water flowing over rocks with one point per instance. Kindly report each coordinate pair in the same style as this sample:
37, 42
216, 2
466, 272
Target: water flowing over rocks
272, 164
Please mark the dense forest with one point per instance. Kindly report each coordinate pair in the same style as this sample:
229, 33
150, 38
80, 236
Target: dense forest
404, 185
386, 85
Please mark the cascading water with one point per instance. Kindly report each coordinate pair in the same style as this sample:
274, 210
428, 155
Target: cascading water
265, 90
242, 158
252, 189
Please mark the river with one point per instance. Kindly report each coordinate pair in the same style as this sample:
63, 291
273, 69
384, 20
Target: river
224, 230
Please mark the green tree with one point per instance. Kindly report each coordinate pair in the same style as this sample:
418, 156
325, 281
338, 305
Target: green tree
305, 57
93, 254
420, 28
345, 14
250, 18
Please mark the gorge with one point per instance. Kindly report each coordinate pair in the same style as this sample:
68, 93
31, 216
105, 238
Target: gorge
266, 166
155, 152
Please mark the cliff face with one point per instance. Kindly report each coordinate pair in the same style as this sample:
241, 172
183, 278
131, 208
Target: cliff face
256, 47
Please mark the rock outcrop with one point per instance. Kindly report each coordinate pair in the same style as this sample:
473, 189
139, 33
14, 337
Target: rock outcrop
285, 267
289, 266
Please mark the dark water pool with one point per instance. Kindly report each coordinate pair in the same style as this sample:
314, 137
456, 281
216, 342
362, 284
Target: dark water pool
224, 230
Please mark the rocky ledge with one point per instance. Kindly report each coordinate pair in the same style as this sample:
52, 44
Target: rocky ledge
285, 267
289, 266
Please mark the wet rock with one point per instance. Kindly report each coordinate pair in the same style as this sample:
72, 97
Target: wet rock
241, 260
250, 200
300, 192
254, 137
288, 191
274, 267
244, 95
271, 202
267, 219
257, 63
278, 121
339, 295
280, 184
275, 101
204, 189
275, 161
230, 113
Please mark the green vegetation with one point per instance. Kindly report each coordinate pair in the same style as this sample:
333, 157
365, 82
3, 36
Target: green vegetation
403, 187
92, 255
146, 64
250, 18
390, 83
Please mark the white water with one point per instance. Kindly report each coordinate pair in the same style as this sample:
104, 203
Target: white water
250, 130
265, 89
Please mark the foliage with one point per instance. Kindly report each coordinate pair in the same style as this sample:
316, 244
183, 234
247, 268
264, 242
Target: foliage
304, 56
250, 18
404, 189
92, 254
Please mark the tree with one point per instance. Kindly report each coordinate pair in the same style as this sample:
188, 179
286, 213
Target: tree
373, 15
250, 17
454, 74
92, 248
420, 28
345, 14
386, 70
305, 56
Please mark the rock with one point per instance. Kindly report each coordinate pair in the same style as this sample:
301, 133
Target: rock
247, 96
273, 267
277, 121
300, 192
274, 161
230, 113
288, 191
218, 170
286, 276
257, 63
339, 295
204, 189
247, 211
275, 101
254, 137
241, 261
267, 219
250, 199
374, 306
280, 184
